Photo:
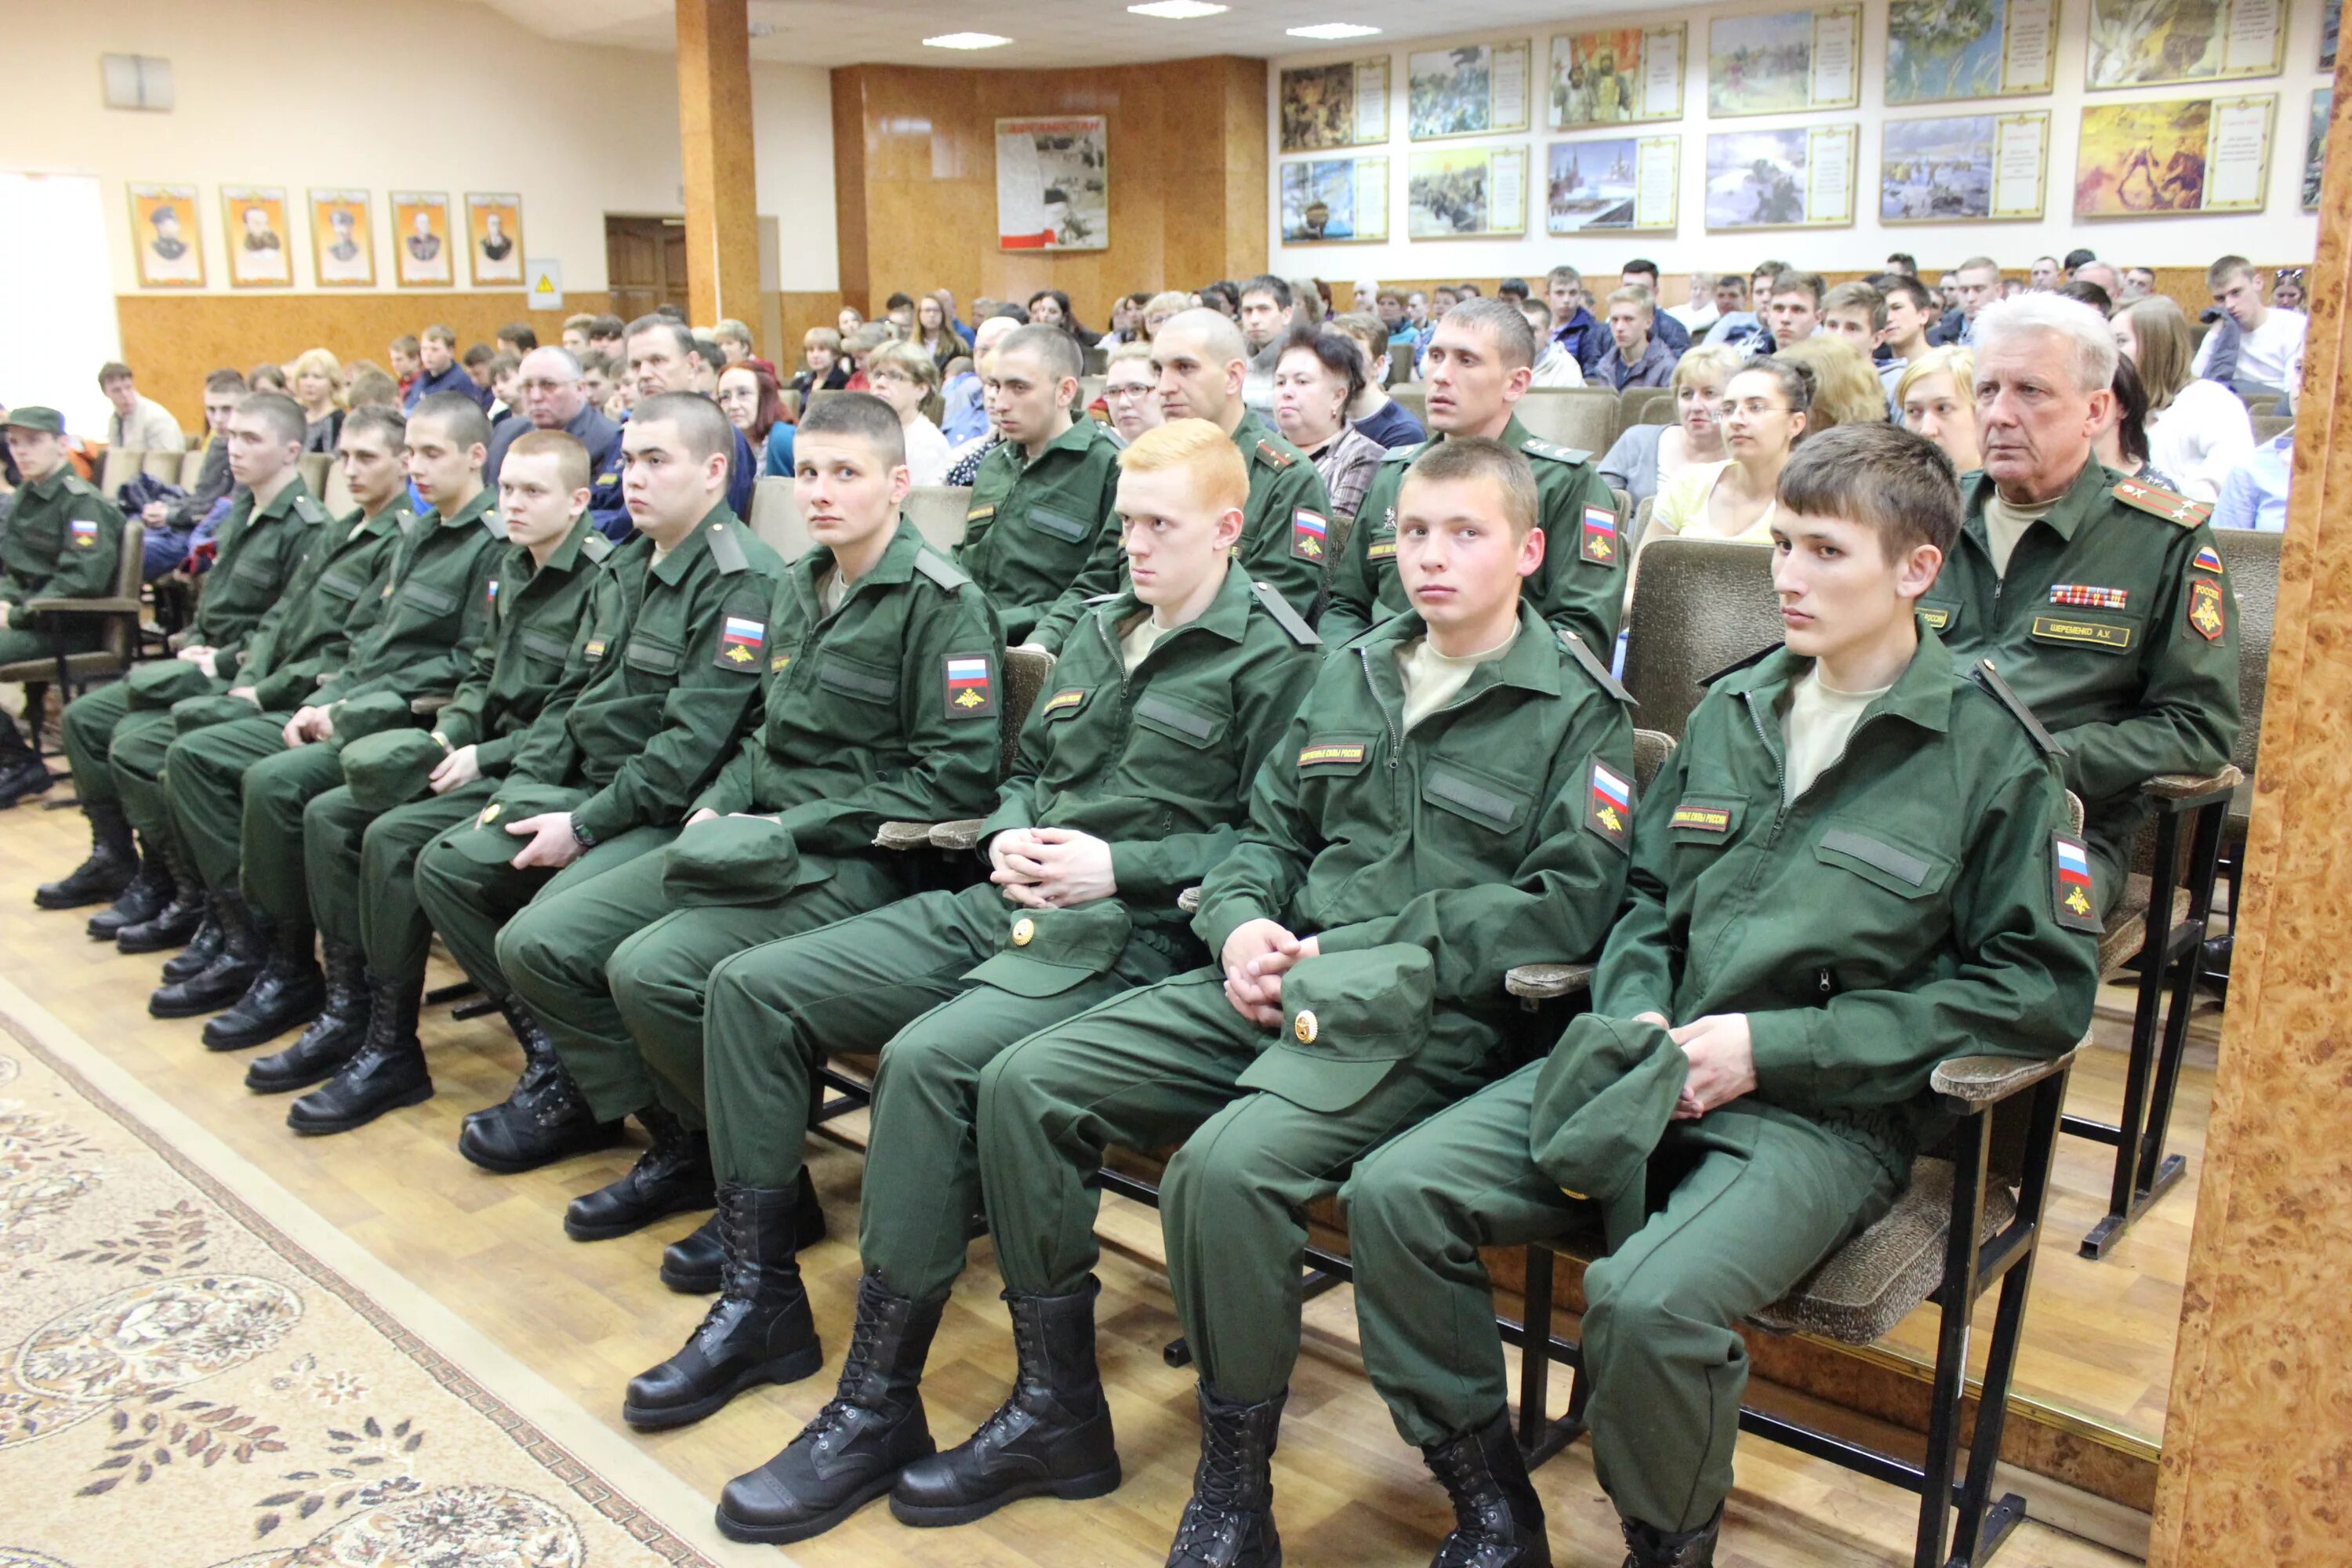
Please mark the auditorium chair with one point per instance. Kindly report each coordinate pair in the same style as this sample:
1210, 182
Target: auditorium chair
2268, 427
775, 521
1582, 417
1699, 605
191, 467
116, 467
161, 467
1414, 398
937, 513
1645, 406
313, 468
117, 617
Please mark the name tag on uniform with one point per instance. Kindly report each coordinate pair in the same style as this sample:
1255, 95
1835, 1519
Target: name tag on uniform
596, 650
2098, 633
979, 514
1704, 819
1381, 549
1331, 752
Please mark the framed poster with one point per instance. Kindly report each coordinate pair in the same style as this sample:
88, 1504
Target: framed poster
2140, 43
2331, 20
494, 237
1053, 184
1344, 105
165, 233
1616, 77
1942, 49
1784, 62
1472, 91
2315, 147
1461, 193
1801, 177
253, 220
342, 239
1965, 168
2181, 155
1326, 201
1623, 183
421, 251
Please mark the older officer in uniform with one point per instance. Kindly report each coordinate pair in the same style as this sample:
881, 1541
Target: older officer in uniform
64, 541
1478, 364
2102, 600
1447, 803
360, 841
1133, 782
1768, 1075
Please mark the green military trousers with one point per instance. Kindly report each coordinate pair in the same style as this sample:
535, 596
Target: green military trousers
890, 980
237, 794
1157, 1065
617, 974
469, 903
1754, 1197
90, 720
361, 867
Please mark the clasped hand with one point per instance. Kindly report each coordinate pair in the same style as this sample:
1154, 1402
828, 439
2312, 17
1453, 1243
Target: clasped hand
1050, 867
1256, 956
1722, 1053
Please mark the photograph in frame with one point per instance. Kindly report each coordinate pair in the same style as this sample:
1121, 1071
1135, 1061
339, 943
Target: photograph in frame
342, 238
1053, 184
494, 237
167, 234
421, 253
253, 222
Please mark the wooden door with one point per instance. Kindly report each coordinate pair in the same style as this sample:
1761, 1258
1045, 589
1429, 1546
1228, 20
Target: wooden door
644, 262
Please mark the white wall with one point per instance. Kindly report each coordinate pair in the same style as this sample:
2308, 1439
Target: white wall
2283, 230
432, 95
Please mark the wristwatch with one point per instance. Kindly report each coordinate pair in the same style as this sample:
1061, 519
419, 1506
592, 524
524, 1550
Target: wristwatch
587, 839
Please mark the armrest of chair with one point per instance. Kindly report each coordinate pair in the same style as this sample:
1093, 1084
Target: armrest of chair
904, 836
1547, 981
1970, 1084
106, 607
426, 706
1189, 901
962, 834
2187, 792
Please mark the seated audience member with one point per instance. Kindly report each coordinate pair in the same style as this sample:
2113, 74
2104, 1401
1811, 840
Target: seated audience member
859, 347
1555, 365
2076, 260
62, 540
1126, 320
748, 396
2286, 290
1641, 358
373, 388
1051, 308
575, 334
609, 336
2086, 293
2139, 282
1766, 408
822, 370
906, 378
965, 399
1699, 312
1265, 321
2119, 436
1904, 262
1793, 309
898, 315
1976, 284
1846, 389
268, 378
2044, 275
935, 334
1910, 313
1318, 375
506, 396
1735, 326
1937, 394
406, 363
2198, 430
662, 358
848, 321
1772, 1113
317, 379
2103, 603
439, 371
1395, 312
1374, 411
1856, 313
1160, 308
702, 370
138, 424
1647, 457
1131, 391
1665, 325
518, 338
734, 340
555, 397
597, 379
1575, 329
1515, 290
2254, 495
169, 524
479, 361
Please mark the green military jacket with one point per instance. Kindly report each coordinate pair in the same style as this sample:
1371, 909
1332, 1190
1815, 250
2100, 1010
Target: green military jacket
64, 541
535, 617
1159, 763
1031, 527
1579, 587
1284, 530
1488, 835
2115, 622
260, 552
1920, 900
334, 599
653, 698
437, 608
883, 710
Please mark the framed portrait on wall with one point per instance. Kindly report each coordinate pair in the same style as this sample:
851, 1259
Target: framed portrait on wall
1472, 91
1330, 201
253, 222
494, 237
1784, 62
2315, 147
1615, 77
1963, 168
2181, 156
1053, 184
1937, 50
1619, 183
1800, 177
2143, 43
166, 235
420, 239
342, 238
1467, 192
1344, 105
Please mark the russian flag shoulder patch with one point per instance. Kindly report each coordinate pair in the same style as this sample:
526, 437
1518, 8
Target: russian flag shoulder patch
2074, 898
970, 686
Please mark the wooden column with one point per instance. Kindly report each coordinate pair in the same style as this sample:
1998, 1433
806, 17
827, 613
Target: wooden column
714, 129
2258, 1442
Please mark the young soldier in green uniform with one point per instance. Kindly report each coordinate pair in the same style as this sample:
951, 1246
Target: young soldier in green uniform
2100, 599
360, 840
1477, 367
270, 527
1853, 866
64, 541
1201, 363
237, 790
879, 662
1443, 806
652, 701
1133, 780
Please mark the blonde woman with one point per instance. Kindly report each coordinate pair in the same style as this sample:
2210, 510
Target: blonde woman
316, 379
2198, 430
1767, 409
1937, 396
905, 377
1160, 307
1647, 457
1846, 390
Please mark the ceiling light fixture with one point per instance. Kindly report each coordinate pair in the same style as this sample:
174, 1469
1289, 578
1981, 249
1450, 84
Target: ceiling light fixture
1332, 30
966, 41
1177, 10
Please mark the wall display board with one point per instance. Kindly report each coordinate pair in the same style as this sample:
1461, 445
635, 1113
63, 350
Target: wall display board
1962, 168
1784, 62
2315, 147
421, 253
342, 238
1344, 105
1330, 200
1942, 49
1461, 193
2331, 19
2140, 43
1616, 77
1625, 183
2181, 155
253, 217
1472, 91
166, 235
1053, 184
494, 237
1800, 177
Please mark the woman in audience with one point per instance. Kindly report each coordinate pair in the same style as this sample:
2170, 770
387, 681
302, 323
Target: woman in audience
1846, 390
905, 377
1160, 308
932, 334
821, 352
848, 322
1126, 320
860, 347
1051, 308
2121, 441
1647, 456
319, 388
1131, 390
1318, 374
266, 378
1937, 394
1767, 409
748, 396
2198, 430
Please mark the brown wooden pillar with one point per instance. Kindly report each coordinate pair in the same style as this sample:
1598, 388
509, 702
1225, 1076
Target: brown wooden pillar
714, 128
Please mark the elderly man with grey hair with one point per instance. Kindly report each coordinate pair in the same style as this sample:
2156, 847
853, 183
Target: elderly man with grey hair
2100, 601
551, 397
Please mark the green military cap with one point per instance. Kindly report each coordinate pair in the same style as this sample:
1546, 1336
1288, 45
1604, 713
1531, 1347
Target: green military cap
485, 840
390, 768
164, 682
191, 714
731, 860
1347, 1019
1602, 1100
33, 418
1046, 952
371, 715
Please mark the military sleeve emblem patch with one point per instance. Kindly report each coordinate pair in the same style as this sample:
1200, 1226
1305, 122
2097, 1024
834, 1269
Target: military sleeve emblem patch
2207, 560
1610, 812
739, 643
2205, 614
1308, 534
970, 686
85, 532
2073, 898
1600, 535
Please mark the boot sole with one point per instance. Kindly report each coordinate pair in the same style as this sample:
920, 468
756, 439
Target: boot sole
220, 1039
734, 1529
803, 1363
311, 1079
501, 1166
189, 1009
1101, 1483
400, 1101
160, 943
95, 895
615, 1229
692, 1285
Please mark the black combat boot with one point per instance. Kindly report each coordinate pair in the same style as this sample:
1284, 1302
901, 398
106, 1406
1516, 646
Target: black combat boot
149, 890
287, 993
1650, 1548
543, 1120
671, 1176
245, 948
113, 860
759, 1330
1229, 1523
203, 945
1052, 1438
689, 1265
334, 1035
852, 1453
1497, 1520
182, 922
387, 1073
22, 771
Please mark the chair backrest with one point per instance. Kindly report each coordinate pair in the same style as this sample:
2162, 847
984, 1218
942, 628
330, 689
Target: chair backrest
1026, 670
191, 467
1413, 397
161, 467
122, 631
1090, 387
313, 466
1584, 417
1651, 749
115, 472
2253, 563
1641, 523
938, 512
775, 521
1400, 368
2260, 401
2267, 425
336, 495
1698, 606
1645, 406
1624, 502
818, 395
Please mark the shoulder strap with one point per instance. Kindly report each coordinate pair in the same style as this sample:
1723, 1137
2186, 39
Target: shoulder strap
1590, 664
2161, 503
1404, 454
1271, 455
1535, 448
1740, 664
1982, 672
940, 569
726, 551
76, 485
1285, 616
494, 525
595, 547
310, 511
1098, 599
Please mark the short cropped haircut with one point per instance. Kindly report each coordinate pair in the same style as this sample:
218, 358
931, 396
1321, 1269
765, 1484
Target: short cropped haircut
480, 353
910, 360
1056, 349
505, 364
594, 363
460, 418
2089, 293
1978, 264
1268, 283
1336, 351
657, 322
2084, 330
373, 388
860, 414
1898, 484
1905, 260
111, 371
1515, 340
1634, 294
700, 425
521, 334
2218, 275
1563, 274
2080, 257
1642, 265
1790, 280
579, 323
1861, 297
385, 419
1482, 458
570, 457
1390, 297
901, 300
1720, 359
1365, 328
440, 334
1220, 477
225, 381
1170, 300
606, 327
709, 353
281, 414
406, 343
1907, 284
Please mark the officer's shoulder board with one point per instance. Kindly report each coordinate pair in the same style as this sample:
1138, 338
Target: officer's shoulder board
1535, 448
1272, 456
726, 551
1590, 664
494, 525
75, 485
1285, 616
1982, 672
1404, 454
596, 547
1098, 599
2160, 503
1736, 665
940, 569
309, 510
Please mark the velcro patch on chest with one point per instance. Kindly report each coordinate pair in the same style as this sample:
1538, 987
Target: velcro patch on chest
84, 531
1309, 532
2205, 617
594, 650
1063, 700
1381, 549
2081, 596
1703, 818
979, 515
2073, 900
1600, 535
1329, 751
740, 641
1609, 808
970, 686
780, 661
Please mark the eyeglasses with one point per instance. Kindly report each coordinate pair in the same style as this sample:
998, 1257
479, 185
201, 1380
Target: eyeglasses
1128, 393
888, 377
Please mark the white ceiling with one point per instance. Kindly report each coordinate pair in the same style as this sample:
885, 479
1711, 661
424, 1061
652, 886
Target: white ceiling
1045, 32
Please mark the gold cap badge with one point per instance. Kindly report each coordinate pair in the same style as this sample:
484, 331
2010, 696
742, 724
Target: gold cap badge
1304, 1026
1022, 929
